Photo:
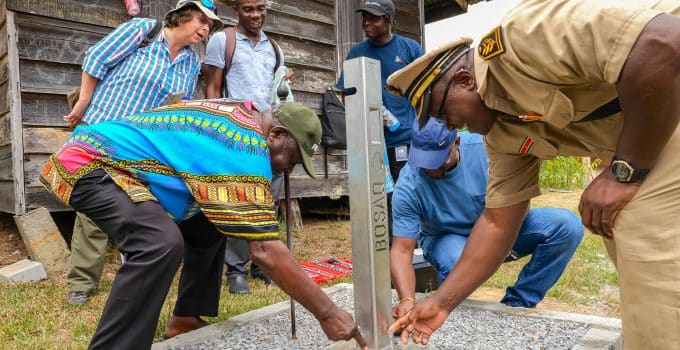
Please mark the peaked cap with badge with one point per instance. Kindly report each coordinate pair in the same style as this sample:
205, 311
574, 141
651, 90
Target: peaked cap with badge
414, 82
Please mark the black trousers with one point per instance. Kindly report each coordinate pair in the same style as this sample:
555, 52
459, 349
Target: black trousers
153, 246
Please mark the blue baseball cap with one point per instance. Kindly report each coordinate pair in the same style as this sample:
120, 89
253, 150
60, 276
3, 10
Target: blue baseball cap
430, 145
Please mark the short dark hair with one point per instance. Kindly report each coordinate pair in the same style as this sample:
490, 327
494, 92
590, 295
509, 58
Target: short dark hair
183, 15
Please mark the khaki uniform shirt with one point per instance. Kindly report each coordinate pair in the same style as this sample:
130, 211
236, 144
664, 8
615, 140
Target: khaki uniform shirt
558, 60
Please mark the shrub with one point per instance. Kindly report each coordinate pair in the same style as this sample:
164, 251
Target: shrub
564, 173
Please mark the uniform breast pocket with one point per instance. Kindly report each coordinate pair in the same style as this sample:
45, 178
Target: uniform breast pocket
559, 110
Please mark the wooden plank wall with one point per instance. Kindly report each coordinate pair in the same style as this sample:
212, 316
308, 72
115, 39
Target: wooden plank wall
53, 38
6, 184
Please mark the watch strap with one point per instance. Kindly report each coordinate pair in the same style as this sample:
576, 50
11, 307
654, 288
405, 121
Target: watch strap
636, 175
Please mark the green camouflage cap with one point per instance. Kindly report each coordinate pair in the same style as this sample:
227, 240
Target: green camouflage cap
305, 127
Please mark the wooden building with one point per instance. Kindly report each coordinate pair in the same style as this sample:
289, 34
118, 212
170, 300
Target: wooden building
43, 43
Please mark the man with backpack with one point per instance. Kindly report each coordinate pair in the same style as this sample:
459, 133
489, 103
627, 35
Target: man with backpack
240, 63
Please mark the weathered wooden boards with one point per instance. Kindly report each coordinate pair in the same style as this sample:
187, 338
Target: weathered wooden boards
52, 37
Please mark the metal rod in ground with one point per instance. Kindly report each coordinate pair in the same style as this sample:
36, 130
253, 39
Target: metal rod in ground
289, 241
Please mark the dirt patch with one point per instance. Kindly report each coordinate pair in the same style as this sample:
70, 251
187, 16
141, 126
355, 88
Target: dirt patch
12, 248
323, 237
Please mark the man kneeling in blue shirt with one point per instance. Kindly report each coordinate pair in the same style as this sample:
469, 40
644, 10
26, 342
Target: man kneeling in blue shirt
438, 198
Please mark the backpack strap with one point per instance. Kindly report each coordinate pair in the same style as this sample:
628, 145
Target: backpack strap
277, 52
152, 34
229, 49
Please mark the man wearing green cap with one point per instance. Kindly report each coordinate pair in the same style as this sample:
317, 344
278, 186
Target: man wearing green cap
580, 78
208, 162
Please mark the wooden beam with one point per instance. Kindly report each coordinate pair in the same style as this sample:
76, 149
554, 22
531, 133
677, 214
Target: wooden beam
38, 196
104, 13
44, 109
49, 77
44, 140
16, 131
53, 40
304, 186
6, 197
3, 40
5, 136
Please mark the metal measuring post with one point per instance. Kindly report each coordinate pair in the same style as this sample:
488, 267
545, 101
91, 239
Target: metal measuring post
368, 202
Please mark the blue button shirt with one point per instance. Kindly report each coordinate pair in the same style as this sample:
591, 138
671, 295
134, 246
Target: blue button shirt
448, 205
135, 79
251, 75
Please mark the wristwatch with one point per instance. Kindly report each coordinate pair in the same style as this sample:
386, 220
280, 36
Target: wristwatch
624, 172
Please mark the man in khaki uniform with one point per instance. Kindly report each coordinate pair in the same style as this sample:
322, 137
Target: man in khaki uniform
569, 77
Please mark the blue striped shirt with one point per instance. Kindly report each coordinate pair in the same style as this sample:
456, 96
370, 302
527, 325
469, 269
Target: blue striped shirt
133, 80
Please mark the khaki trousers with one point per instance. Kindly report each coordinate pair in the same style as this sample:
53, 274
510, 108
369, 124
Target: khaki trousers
646, 252
88, 245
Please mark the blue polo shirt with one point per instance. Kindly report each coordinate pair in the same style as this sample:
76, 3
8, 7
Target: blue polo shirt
448, 205
394, 55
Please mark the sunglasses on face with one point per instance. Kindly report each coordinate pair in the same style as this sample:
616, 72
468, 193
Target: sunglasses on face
440, 114
427, 103
209, 4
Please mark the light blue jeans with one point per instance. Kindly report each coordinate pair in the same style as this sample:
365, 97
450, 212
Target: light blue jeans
549, 235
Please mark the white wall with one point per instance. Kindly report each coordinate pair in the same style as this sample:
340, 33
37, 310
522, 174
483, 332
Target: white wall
478, 21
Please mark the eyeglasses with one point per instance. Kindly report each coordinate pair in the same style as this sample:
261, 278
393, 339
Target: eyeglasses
209, 4
426, 107
427, 103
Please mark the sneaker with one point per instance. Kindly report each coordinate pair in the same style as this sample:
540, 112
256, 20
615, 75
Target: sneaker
78, 298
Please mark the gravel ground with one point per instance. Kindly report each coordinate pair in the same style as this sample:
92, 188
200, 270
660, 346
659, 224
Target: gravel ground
467, 328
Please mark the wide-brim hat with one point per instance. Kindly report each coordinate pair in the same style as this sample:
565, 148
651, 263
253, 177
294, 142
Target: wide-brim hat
430, 145
413, 81
305, 127
209, 12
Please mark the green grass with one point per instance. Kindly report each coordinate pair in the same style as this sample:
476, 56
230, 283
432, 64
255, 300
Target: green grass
37, 316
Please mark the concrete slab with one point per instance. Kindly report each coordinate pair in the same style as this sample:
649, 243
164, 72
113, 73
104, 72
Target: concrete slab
43, 240
22, 271
474, 325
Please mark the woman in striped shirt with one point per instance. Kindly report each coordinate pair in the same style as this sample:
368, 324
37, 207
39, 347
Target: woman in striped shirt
122, 76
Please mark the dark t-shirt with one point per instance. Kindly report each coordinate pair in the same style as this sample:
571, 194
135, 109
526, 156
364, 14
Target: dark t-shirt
394, 55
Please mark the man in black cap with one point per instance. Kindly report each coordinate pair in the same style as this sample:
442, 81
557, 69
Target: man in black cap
394, 52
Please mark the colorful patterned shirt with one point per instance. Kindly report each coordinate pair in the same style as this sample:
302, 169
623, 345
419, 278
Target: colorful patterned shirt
207, 155
135, 79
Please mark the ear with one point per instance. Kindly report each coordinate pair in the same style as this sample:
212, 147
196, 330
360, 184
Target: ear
465, 79
277, 133
457, 142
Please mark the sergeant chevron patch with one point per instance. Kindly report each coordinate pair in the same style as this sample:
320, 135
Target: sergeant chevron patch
491, 44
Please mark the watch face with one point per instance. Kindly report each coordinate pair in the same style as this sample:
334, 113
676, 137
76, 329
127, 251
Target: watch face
621, 170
